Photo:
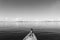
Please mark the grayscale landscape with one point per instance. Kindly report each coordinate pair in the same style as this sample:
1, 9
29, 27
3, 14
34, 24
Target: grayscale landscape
18, 17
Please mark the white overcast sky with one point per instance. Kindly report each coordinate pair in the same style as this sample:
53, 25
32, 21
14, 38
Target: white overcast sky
30, 9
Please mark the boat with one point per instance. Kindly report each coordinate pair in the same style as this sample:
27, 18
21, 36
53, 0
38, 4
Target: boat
30, 36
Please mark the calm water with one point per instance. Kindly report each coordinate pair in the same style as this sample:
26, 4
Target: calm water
6, 35
16, 31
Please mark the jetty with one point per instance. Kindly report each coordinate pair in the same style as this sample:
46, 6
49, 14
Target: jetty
30, 36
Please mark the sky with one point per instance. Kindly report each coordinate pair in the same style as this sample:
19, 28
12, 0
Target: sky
30, 10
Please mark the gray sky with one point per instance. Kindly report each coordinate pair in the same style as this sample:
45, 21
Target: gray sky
30, 9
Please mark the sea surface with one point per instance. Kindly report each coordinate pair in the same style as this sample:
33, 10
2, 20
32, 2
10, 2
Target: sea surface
20, 34
18, 30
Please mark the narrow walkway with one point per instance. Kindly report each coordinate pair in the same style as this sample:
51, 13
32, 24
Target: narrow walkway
30, 36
